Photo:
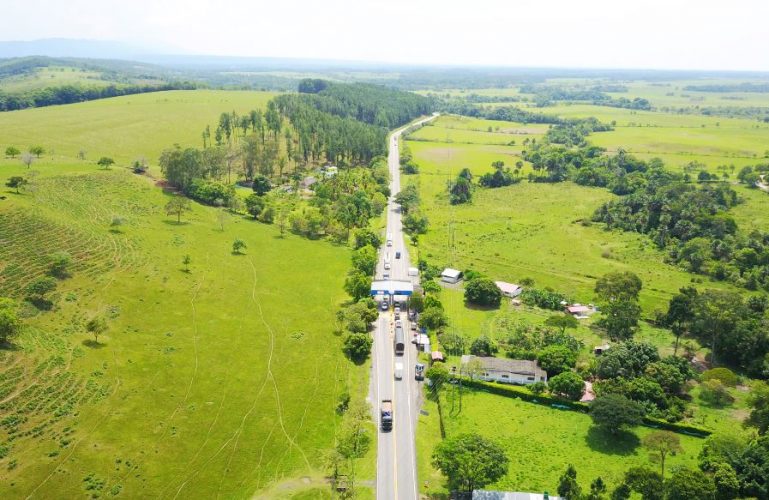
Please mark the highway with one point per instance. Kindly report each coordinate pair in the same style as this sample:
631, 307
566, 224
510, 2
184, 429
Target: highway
396, 476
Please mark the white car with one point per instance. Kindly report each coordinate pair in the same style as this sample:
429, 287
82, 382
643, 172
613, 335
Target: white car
398, 370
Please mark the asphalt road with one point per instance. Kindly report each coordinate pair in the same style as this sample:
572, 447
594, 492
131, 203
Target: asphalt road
396, 449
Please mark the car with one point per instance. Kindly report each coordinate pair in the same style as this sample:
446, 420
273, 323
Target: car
398, 370
397, 314
397, 255
385, 275
419, 371
399, 323
383, 305
414, 327
387, 265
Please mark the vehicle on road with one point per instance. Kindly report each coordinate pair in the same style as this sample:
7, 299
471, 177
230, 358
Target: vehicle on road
398, 371
397, 313
399, 341
419, 371
384, 304
385, 276
386, 415
389, 239
399, 323
397, 255
414, 327
387, 261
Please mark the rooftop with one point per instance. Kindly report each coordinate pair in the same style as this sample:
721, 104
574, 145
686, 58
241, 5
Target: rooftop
451, 273
510, 495
507, 287
519, 366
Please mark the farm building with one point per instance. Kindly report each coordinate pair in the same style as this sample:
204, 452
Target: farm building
436, 356
511, 495
579, 311
509, 289
600, 349
508, 371
451, 275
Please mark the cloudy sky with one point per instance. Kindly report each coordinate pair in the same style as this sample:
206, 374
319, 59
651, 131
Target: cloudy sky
684, 34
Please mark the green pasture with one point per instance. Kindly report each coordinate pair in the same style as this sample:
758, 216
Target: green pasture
124, 128
220, 381
52, 76
540, 442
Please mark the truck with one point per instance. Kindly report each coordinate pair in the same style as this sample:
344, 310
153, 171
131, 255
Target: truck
386, 415
400, 342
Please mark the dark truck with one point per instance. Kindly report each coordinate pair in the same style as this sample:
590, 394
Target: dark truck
386, 419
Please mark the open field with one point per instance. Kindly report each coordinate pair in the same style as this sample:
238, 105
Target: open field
540, 442
218, 381
52, 76
124, 128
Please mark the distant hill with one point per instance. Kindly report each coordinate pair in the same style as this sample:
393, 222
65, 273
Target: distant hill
67, 47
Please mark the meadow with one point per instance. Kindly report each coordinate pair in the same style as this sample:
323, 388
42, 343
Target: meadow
539, 441
123, 128
220, 380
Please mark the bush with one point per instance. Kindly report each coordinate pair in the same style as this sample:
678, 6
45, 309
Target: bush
715, 393
724, 375
545, 299
211, 192
357, 346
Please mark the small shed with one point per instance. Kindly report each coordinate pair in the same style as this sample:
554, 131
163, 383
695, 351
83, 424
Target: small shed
451, 275
509, 289
600, 349
437, 356
413, 271
579, 311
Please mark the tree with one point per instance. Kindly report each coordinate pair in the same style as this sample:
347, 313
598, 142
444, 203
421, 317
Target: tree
620, 319
364, 260
660, 444
238, 246
433, 318
27, 159
9, 320
12, 151
555, 359
460, 191
759, 403
686, 484
261, 185
58, 264
357, 284
646, 482
357, 346
715, 393
627, 359
562, 321
470, 461
597, 489
680, 313
752, 468
614, 412
96, 326
176, 205
254, 205
483, 346
16, 182
483, 292
37, 150
567, 385
186, 261
417, 303
105, 162
568, 487
365, 236
39, 288
716, 314
726, 482
618, 286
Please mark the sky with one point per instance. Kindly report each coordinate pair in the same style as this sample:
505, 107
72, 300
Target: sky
663, 34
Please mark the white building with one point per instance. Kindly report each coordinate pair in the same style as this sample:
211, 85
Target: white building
511, 495
508, 371
451, 275
509, 289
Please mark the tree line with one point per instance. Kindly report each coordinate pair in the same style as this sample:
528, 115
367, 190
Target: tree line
68, 94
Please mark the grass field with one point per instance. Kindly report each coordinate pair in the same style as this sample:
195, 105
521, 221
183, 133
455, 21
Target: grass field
540, 442
218, 381
124, 128
52, 76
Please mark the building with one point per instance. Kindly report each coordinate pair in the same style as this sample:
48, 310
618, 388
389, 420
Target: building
436, 356
579, 311
600, 349
508, 371
511, 495
392, 287
509, 289
451, 275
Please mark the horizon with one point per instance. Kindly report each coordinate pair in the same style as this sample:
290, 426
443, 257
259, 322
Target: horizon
689, 35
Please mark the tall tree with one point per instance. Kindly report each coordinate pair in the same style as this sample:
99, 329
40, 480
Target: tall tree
660, 444
176, 206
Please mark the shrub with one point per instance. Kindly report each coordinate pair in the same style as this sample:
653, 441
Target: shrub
725, 375
555, 359
715, 393
483, 346
357, 346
